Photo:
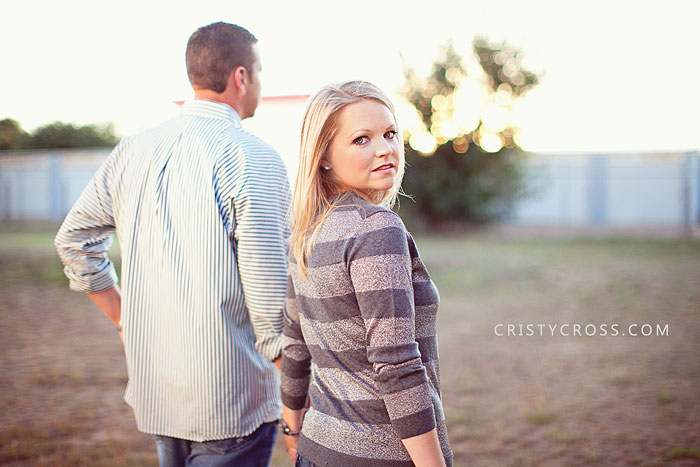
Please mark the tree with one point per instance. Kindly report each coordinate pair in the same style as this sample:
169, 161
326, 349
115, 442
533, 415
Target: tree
12, 136
67, 135
464, 160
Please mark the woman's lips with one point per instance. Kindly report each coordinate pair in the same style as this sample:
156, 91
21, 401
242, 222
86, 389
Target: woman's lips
383, 168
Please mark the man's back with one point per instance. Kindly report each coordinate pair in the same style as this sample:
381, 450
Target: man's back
200, 208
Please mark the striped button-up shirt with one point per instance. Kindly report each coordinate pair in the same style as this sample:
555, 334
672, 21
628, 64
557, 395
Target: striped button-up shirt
200, 208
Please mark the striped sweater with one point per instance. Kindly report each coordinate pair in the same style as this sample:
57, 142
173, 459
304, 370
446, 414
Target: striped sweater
359, 339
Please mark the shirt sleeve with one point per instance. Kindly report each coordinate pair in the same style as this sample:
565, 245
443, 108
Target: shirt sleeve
86, 234
261, 209
381, 272
296, 359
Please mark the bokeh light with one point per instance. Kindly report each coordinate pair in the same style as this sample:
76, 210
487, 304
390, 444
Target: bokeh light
424, 143
495, 117
490, 142
461, 144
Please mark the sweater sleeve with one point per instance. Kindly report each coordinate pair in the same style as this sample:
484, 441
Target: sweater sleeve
296, 360
381, 272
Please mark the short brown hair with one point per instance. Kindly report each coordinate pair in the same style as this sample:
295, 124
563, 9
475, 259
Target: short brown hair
213, 51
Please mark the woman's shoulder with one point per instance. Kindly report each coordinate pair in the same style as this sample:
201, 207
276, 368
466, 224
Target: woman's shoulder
367, 216
354, 217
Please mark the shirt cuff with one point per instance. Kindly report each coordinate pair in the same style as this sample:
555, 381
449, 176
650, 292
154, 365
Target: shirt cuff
269, 346
93, 282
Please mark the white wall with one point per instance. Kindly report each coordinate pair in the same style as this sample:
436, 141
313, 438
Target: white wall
599, 190
611, 190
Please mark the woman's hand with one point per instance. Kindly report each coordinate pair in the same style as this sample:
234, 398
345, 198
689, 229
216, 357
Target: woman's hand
293, 420
290, 445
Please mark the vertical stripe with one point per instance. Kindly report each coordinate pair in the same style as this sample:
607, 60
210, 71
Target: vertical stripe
200, 208
597, 189
686, 181
697, 189
55, 192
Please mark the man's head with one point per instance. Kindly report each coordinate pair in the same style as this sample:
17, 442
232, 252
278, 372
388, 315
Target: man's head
223, 64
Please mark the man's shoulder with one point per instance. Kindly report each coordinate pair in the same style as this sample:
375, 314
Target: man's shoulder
251, 156
248, 142
156, 132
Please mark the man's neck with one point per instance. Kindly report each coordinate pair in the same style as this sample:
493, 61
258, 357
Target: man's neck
224, 98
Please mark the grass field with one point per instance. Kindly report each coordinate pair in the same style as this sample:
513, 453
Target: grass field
509, 400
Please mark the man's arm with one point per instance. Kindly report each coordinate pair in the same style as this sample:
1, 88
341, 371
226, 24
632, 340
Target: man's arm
85, 237
110, 302
261, 210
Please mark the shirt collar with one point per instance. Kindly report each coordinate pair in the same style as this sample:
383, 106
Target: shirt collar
211, 109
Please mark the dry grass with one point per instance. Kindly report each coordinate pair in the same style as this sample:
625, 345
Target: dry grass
509, 401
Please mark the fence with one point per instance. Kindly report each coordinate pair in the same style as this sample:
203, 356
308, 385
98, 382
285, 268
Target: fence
572, 190
612, 190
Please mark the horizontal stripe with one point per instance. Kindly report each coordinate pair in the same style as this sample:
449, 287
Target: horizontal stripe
293, 402
348, 360
425, 293
377, 442
344, 385
367, 315
400, 379
367, 411
336, 336
295, 369
390, 240
393, 354
321, 456
381, 272
386, 303
329, 309
330, 252
427, 346
324, 281
415, 424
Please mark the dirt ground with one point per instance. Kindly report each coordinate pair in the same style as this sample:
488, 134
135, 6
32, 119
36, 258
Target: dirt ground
538, 400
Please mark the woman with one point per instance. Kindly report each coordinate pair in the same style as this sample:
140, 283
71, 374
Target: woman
359, 334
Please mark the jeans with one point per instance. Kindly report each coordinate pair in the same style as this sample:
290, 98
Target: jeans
253, 450
301, 462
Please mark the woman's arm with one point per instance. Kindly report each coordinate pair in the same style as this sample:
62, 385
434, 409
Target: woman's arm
425, 449
292, 418
380, 268
295, 368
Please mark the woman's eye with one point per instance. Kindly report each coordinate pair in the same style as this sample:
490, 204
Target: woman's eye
391, 134
360, 140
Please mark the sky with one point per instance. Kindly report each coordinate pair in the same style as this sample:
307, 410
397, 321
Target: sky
619, 75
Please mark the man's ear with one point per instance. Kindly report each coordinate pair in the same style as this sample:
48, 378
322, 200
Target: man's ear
238, 79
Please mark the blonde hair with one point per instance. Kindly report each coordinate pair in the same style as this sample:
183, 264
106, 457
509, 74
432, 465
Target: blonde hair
314, 190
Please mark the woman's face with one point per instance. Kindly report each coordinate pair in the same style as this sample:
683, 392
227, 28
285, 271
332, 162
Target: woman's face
364, 153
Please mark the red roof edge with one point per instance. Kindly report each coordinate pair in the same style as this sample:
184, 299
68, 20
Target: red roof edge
291, 97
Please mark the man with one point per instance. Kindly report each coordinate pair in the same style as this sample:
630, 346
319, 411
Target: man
200, 208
